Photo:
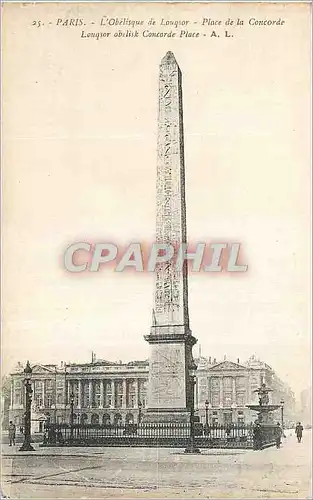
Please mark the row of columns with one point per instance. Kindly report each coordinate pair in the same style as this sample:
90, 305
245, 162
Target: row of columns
68, 388
78, 382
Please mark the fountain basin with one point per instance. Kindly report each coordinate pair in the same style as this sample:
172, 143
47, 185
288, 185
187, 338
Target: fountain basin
263, 408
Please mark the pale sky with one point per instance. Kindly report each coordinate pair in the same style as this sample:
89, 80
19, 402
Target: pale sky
79, 144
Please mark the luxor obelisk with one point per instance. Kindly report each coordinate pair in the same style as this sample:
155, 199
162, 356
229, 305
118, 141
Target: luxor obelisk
170, 387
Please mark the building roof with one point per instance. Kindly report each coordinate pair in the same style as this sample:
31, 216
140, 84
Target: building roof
202, 363
256, 363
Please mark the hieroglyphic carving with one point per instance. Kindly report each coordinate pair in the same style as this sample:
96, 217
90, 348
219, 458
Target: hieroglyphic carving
169, 388
170, 284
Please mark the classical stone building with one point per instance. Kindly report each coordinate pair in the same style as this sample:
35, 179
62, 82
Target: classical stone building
104, 392
227, 387
107, 392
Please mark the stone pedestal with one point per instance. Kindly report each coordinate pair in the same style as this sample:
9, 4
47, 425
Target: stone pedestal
169, 390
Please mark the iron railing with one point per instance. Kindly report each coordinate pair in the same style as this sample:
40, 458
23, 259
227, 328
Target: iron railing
162, 435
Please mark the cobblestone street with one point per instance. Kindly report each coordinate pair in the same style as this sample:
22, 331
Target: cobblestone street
155, 473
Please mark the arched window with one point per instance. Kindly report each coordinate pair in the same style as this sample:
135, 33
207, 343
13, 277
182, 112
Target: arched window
94, 418
129, 418
106, 419
117, 419
84, 418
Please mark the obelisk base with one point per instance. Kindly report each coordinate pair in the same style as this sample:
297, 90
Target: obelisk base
169, 390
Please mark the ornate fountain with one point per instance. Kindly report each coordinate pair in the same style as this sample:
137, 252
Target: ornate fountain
264, 408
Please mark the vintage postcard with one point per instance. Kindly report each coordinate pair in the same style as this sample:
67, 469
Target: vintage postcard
156, 328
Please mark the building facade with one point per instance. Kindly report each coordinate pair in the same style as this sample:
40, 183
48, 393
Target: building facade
226, 387
104, 392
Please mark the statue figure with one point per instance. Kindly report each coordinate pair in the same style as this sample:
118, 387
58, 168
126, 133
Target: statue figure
263, 395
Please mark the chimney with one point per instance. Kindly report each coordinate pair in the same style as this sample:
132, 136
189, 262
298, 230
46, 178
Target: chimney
224, 357
214, 360
238, 361
210, 359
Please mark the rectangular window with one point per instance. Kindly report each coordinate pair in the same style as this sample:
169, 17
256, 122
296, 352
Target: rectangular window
241, 399
108, 401
227, 383
119, 401
241, 382
215, 400
38, 400
108, 395
17, 398
215, 383
227, 399
131, 401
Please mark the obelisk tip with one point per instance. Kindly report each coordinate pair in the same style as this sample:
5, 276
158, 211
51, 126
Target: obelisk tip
168, 59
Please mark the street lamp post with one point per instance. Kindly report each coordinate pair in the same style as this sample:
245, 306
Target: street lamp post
206, 416
139, 412
282, 403
191, 448
26, 446
72, 416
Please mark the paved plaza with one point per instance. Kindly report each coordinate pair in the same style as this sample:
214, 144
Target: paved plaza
157, 473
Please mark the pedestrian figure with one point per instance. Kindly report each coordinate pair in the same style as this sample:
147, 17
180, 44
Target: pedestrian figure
278, 435
52, 436
12, 430
60, 437
257, 436
298, 431
45, 436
